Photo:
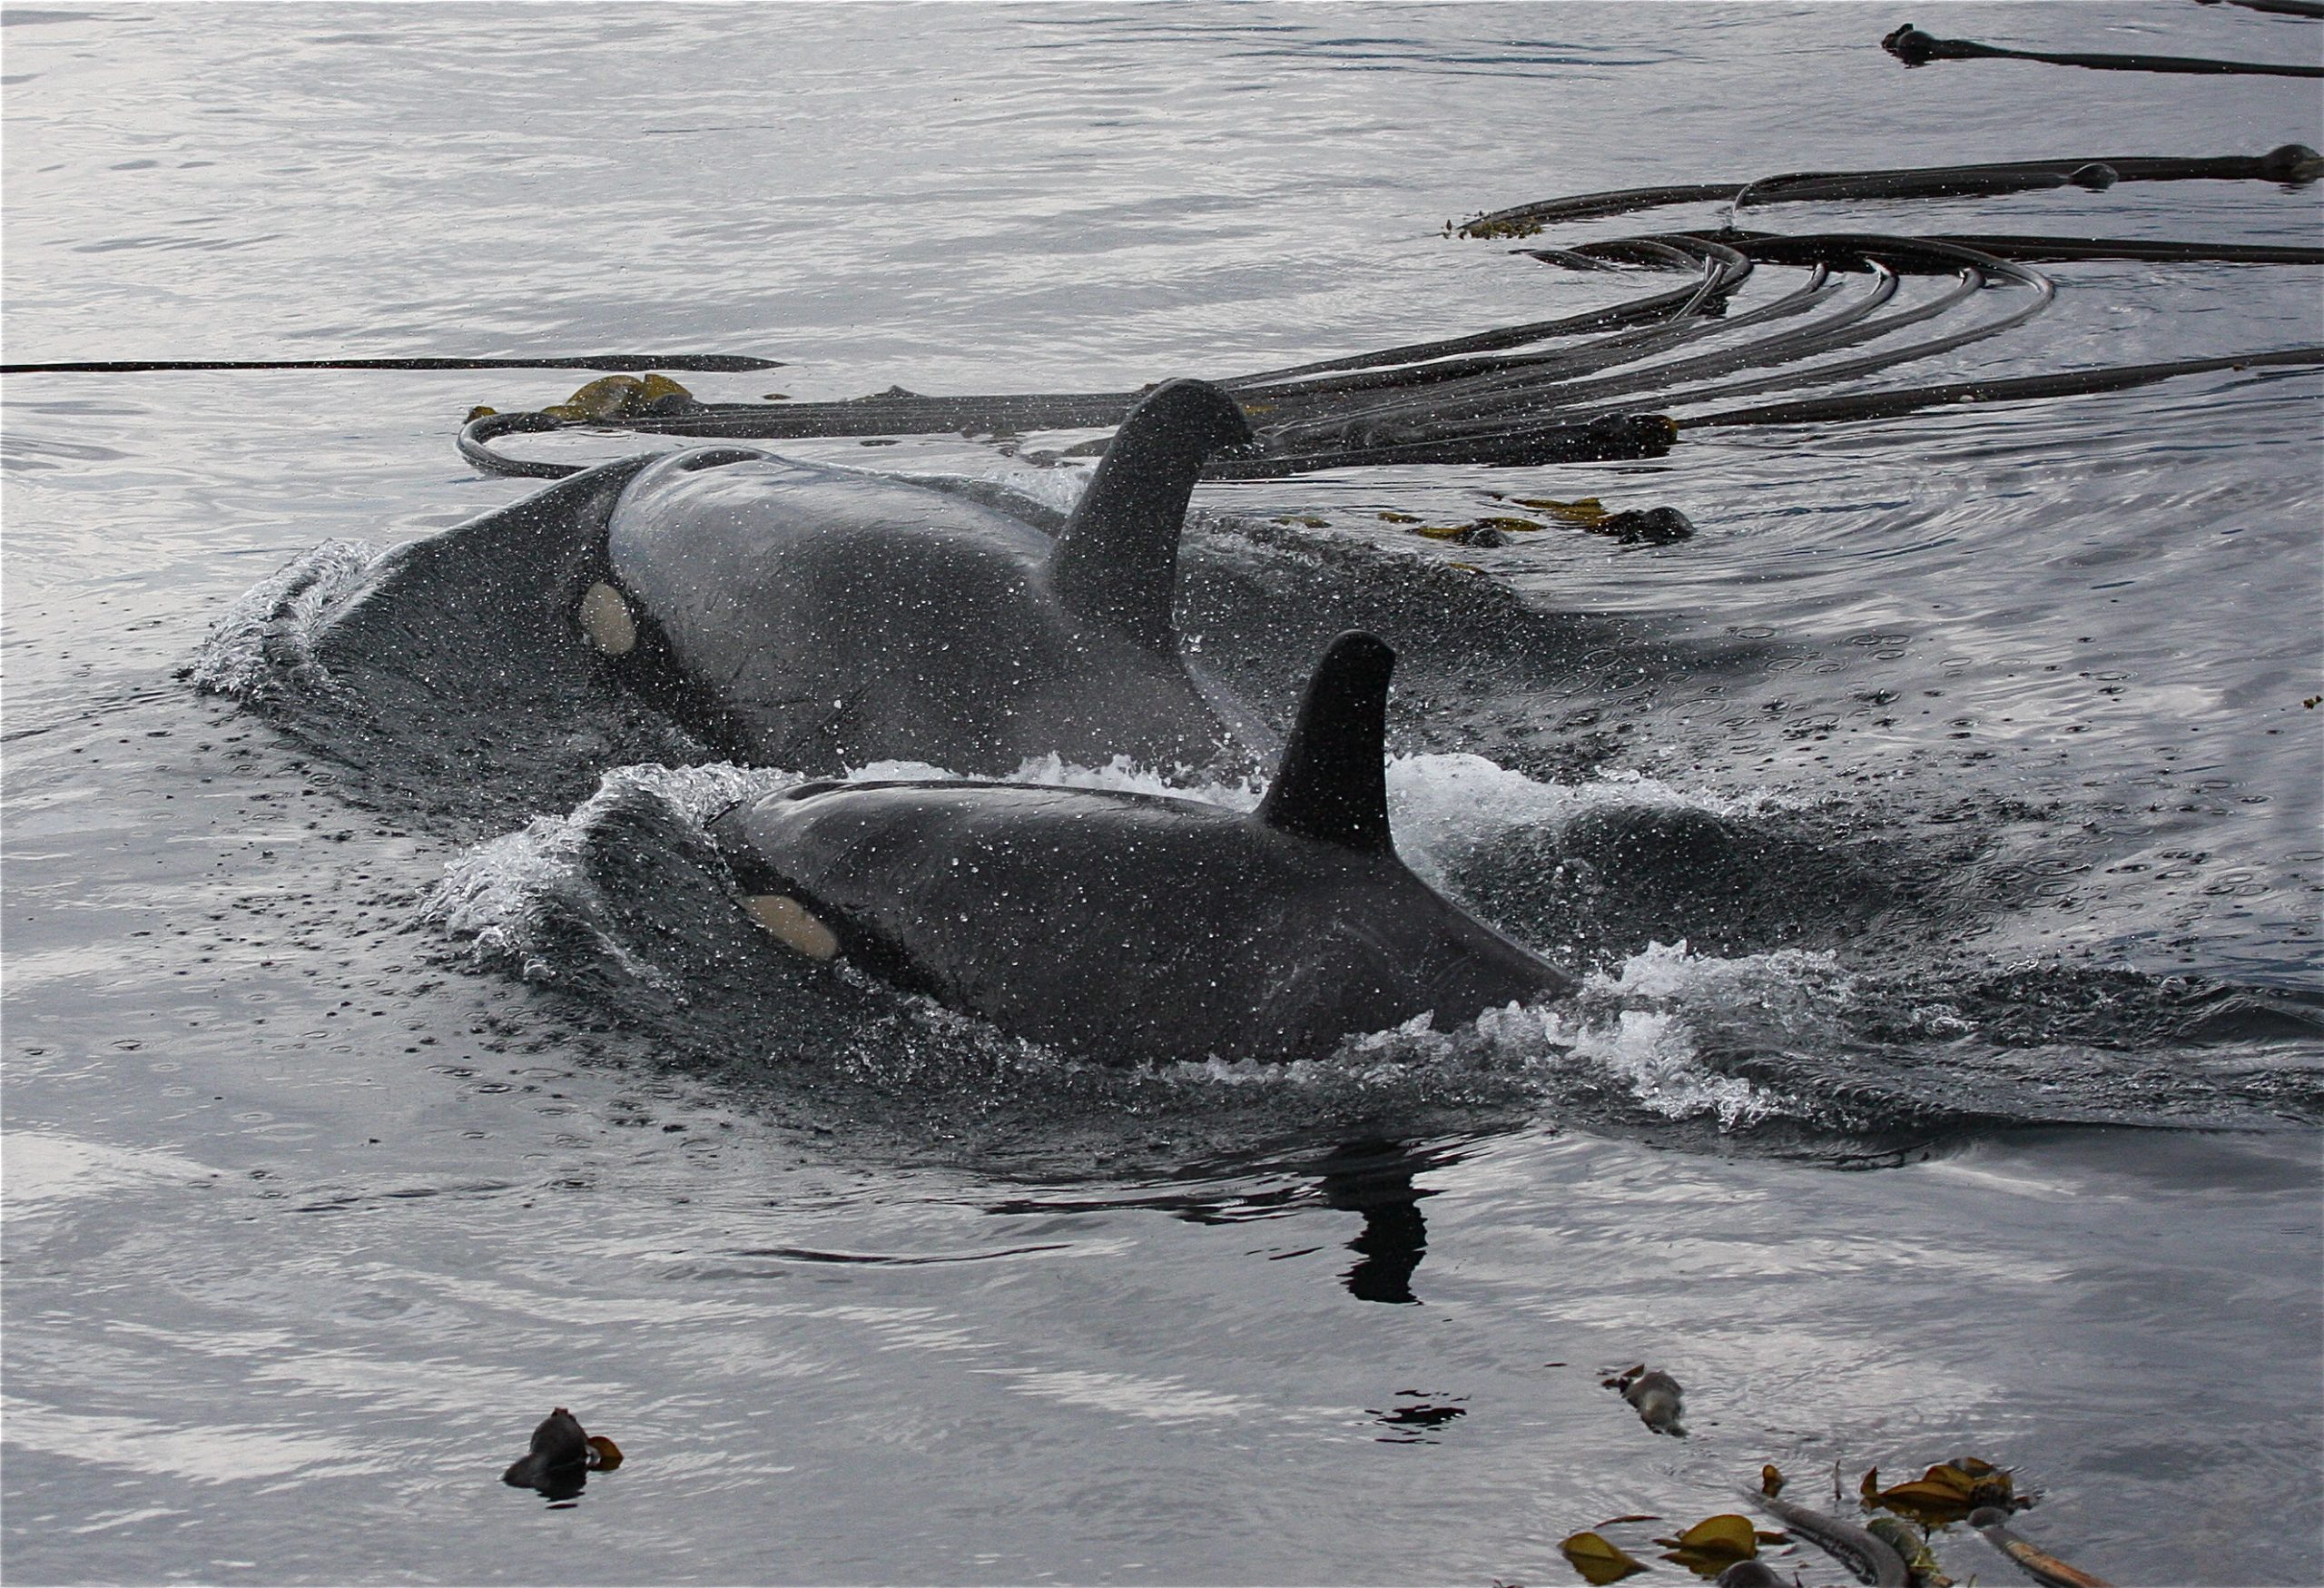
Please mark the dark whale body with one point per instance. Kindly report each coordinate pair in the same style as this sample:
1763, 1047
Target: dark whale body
789, 614
817, 618
1130, 927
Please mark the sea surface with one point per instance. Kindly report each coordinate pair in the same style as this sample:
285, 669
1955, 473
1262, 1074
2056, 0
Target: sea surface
1937, 831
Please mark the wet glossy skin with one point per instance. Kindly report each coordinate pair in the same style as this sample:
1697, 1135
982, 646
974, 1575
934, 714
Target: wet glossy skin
817, 618
1132, 928
832, 619
1127, 927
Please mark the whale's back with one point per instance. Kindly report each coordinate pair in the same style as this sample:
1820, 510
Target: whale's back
831, 618
1125, 927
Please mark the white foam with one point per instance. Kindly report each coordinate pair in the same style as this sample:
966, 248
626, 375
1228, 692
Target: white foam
1440, 806
493, 895
1060, 488
1650, 1054
899, 772
1443, 807
1641, 1027
264, 639
1653, 1053
489, 895
1791, 986
699, 793
1127, 776
1663, 998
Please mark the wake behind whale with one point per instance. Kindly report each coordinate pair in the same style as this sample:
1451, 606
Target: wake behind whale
624, 912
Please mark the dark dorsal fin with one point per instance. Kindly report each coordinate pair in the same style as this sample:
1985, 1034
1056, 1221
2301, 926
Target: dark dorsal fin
1332, 785
1117, 560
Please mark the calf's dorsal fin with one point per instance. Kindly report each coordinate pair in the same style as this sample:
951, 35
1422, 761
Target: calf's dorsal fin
1117, 560
1333, 783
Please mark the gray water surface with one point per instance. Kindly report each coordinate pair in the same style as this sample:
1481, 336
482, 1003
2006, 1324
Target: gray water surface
350, 1126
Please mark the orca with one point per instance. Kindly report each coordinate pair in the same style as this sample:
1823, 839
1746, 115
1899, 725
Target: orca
789, 614
1132, 928
817, 618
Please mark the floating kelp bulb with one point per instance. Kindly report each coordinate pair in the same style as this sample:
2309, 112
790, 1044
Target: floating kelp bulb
1482, 229
1485, 532
607, 397
1912, 1547
558, 1456
2291, 162
1870, 1558
615, 397
1655, 1396
1647, 526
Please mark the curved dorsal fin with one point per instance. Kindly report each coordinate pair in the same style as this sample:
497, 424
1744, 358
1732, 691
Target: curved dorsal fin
1332, 785
1117, 560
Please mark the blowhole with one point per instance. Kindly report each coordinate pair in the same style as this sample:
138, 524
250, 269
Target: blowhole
714, 457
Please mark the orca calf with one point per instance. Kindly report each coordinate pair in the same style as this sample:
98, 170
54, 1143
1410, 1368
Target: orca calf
817, 618
1132, 927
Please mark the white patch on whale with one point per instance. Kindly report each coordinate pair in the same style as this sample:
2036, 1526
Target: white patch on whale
792, 925
605, 618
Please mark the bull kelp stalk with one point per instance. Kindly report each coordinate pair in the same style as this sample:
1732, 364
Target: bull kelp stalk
611, 364
2290, 163
1914, 48
1613, 382
1590, 386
